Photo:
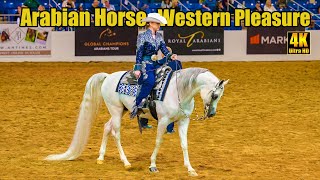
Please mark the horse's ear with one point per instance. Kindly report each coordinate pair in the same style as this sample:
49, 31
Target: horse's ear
225, 82
220, 83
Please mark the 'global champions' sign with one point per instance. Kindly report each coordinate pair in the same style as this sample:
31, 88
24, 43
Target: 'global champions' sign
104, 41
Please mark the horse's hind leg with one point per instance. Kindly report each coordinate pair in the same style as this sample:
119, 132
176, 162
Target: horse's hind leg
116, 135
107, 129
117, 113
113, 125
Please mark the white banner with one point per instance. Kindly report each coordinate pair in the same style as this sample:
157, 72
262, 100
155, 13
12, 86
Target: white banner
24, 41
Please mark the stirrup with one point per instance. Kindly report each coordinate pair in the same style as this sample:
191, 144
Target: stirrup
139, 124
133, 113
142, 104
136, 112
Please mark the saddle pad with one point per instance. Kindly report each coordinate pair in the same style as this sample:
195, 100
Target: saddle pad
130, 88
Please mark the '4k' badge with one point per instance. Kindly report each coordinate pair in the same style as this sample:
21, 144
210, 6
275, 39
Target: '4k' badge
299, 43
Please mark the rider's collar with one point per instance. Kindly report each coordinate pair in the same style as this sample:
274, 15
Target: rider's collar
149, 31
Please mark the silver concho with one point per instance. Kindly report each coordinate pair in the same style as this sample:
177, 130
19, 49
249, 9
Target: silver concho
154, 57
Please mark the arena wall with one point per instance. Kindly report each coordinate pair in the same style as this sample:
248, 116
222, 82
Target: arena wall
63, 49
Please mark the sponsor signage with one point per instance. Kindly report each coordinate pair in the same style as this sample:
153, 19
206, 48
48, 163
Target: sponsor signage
104, 41
268, 40
195, 40
24, 41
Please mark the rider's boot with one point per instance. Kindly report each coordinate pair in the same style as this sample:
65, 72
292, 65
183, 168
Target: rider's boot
137, 110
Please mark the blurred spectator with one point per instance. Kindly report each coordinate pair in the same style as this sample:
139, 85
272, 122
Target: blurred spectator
80, 8
18, 15
143, 5
319, 10
109, 6
3, 19
269, 7
95, 4
175, 5
60, 28
219, 6
166, 4
68, 4
41, 8
34, 5
311, 26
282, 4
258, 7
243, 25
209, 5
226, 4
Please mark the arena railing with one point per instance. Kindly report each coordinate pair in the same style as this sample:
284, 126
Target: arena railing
238, 3
6, 18
230, 5
292, 8
55, 3
133, 7
304, 8
182, 5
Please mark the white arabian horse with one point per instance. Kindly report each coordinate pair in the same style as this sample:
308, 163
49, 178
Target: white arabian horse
177, 106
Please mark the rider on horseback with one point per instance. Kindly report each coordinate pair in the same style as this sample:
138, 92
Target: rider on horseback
148, 45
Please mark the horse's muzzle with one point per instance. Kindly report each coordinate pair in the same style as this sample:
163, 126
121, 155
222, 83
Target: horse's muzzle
212, 114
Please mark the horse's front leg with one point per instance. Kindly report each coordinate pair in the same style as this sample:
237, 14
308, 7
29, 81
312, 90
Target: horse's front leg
162, 125
183, 131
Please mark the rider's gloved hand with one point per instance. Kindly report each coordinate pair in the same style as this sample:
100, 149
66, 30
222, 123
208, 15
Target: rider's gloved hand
174, 57
137, 74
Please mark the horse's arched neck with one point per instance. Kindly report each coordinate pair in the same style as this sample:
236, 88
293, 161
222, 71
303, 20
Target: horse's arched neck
204, 80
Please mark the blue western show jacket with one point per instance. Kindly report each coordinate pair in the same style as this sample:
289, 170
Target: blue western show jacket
148, 46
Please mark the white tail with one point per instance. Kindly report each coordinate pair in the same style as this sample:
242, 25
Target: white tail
88, 111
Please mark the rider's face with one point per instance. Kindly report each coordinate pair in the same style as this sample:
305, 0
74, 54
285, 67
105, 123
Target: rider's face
155, 26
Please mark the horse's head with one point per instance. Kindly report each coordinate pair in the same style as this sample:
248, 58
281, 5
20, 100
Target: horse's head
211, 97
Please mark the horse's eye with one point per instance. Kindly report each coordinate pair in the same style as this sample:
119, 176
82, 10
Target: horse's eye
215, 96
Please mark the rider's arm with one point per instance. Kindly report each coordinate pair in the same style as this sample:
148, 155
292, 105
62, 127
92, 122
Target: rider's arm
165, 50
139, 52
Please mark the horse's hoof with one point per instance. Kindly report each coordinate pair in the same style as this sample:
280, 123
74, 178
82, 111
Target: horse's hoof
128, 166
192, 173
99, 161
153, 169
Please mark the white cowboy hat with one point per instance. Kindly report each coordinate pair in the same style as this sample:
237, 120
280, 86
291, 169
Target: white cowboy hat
155, 17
